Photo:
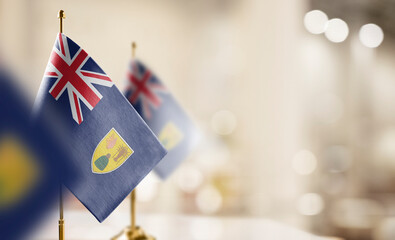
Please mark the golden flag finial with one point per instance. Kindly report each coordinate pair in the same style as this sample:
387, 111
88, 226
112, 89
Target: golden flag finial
134, 46
61, 16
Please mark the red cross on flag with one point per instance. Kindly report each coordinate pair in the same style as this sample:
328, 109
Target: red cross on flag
74, 72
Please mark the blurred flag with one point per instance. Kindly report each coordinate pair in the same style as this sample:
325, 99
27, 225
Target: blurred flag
113, 149
163, 115
29, 183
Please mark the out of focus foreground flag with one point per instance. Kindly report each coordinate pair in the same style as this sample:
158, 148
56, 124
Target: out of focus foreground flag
29, 169
163, 115
113, 149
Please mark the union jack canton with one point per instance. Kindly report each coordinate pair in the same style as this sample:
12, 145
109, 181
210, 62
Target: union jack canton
143, 90
74, 70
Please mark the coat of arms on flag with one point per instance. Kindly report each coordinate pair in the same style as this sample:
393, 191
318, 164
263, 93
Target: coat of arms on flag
170, 136
110, 153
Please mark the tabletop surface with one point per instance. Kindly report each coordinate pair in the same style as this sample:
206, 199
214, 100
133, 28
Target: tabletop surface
81, 225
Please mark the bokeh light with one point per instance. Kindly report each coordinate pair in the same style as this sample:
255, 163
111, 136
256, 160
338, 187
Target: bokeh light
304, 162
209, 200
334, 183
189, 178
212, 155
223, 122
337, 159
336, 30
315, 21
371, 35
310, 204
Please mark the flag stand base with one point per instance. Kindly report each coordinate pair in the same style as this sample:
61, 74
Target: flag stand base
137, 234
133, 232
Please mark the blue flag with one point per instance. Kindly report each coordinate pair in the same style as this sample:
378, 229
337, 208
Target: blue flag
113, 149
163, 115
29, 183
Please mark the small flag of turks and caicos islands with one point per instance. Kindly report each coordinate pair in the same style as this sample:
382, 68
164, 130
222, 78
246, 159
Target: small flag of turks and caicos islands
163, 115
112, 147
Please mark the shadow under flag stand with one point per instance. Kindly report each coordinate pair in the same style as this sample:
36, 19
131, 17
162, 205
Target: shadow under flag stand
133, 232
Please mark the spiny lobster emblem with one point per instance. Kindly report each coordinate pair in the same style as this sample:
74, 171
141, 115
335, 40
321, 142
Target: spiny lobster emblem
121, 153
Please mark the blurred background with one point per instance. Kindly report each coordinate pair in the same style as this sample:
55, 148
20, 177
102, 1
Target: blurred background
295, 100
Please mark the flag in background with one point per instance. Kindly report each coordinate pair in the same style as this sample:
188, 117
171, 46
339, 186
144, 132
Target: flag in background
112, 147
30, 159
163, 115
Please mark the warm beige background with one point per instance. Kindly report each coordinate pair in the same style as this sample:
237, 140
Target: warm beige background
287, 90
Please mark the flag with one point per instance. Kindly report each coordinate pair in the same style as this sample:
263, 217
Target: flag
29, 176
163, 114
112, 147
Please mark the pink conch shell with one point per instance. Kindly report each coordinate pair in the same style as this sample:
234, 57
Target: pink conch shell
111, 141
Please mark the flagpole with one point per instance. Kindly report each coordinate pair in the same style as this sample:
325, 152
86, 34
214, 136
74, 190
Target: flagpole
61, 16
133, 232
133, 210
133, 194
61, 219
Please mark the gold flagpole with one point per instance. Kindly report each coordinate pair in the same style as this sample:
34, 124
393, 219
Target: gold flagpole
133, 232
61, 16
61, 220
133, 210
133, 194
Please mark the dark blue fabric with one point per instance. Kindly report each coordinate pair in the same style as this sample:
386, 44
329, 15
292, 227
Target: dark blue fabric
168, 111
73, 47
101, 193
17, 220
91, 65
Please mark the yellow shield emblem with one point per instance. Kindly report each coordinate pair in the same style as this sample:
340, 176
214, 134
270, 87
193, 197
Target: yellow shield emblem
18, 171
170, 136
111, 152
